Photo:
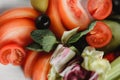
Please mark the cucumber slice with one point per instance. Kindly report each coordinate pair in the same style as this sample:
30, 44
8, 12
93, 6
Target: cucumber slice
115, 42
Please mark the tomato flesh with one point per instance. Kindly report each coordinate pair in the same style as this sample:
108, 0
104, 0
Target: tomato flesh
73, 14
100, 9
41, 67
56, 24
12, 53
17, 31
18, 13
29, 62
100, 36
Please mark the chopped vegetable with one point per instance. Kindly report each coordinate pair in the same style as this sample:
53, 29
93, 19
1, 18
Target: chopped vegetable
100, 36
93, 61
61, 56
115, 42
100, 9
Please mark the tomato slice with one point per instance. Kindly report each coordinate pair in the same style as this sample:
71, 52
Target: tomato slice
12, 53
17, 31
56, 24
14, 13
73, 14
100, 9
42, 67
100, 36
29, 62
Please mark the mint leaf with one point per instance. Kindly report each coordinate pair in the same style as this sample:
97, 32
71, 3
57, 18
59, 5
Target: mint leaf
37, 35
35, 47
44, 38
77, 36
48, 43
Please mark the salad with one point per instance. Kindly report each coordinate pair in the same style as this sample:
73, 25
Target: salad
63, 39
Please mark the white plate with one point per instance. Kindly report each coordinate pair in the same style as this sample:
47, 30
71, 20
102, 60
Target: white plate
11, 72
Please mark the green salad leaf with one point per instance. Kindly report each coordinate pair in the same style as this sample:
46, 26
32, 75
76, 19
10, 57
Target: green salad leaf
93, 61
44, 40
78, 35
35, 47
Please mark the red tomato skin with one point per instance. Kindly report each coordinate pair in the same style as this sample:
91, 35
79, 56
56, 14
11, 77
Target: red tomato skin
100, 36
12, 53
100, 9
31, 59
110, 56
73, 15
15, 13
42, 67
56, 24
17, 31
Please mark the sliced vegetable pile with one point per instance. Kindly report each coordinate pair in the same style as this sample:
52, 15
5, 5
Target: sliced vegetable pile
63, 39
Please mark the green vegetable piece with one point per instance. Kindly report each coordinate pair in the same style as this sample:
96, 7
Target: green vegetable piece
37, 35
53, 75
45, 38
114, 73
93, 61
40, 5
48, 43
115, 42
35, 47
67, 34
77, 36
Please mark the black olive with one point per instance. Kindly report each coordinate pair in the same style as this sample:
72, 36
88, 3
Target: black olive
116, 6
42, 21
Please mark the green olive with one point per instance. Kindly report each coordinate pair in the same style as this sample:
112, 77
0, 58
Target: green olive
40, 5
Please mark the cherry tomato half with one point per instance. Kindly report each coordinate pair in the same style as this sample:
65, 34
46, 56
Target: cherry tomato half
100, 9
100, 36
12, 53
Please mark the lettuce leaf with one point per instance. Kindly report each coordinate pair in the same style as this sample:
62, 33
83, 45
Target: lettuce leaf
93, 61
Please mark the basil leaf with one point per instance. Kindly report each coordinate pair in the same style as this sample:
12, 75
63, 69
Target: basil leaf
45, 38
77, 36
37, 35
48, 43
35, 47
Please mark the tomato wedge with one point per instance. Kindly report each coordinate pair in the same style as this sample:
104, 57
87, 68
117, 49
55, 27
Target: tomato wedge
17, 31
42, 67
12, 53
56, 24
29, 62
100, 36
16, 13
73, 14
100, 9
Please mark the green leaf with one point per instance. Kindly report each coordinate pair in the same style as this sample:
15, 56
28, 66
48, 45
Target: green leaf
37, 35
67, 34
77, 36
48, 43
45, 38
35, 47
